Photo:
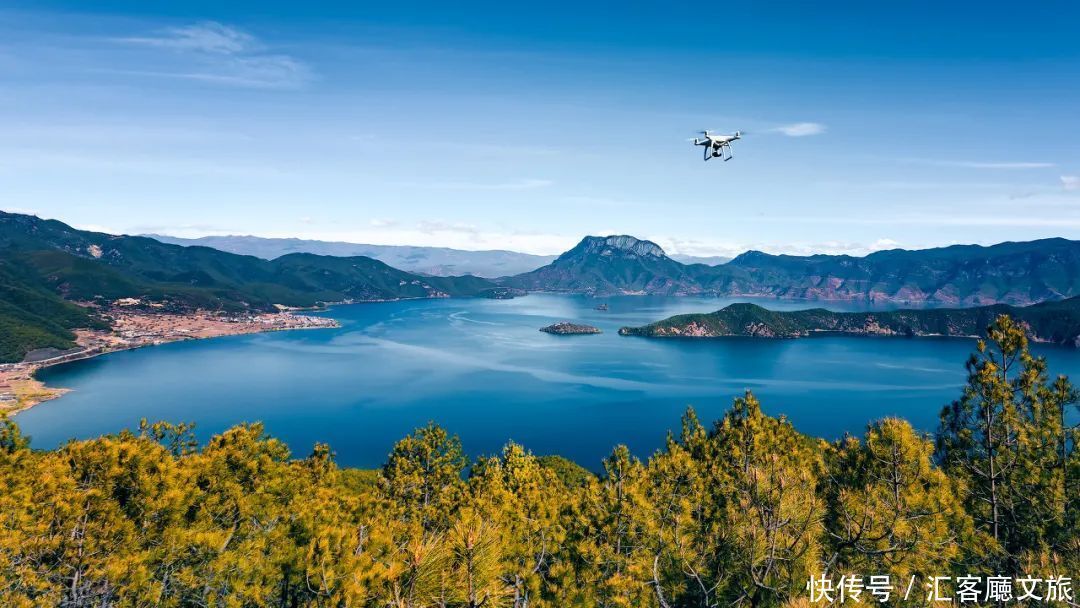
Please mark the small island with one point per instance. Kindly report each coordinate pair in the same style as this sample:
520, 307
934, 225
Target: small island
566, 328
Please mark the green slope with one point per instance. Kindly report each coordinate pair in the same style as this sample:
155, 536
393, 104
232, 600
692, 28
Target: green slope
45, 262
32, 316
85, 265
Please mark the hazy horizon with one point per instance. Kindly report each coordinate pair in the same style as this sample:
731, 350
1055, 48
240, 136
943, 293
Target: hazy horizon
675, 254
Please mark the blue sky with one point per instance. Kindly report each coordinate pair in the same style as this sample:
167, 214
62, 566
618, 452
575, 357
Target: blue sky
490, 125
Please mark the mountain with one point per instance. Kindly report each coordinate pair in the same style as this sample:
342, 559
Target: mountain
436, 261
1052, 322
1013, 273
612, 265
46, 264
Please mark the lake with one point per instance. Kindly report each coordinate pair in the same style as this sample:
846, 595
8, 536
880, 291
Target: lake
483, 370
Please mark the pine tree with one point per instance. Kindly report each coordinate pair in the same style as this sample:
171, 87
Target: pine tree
890, 510
769, 514
1003, 439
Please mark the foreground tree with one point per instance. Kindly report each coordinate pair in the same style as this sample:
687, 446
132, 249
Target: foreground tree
890, 510
769, 520
1005, 441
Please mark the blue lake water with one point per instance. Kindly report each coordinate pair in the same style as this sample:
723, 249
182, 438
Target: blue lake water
481, 369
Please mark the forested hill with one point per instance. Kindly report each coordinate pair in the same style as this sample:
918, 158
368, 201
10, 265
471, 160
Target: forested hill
967, 275
45, 262
438, 261
1052, 322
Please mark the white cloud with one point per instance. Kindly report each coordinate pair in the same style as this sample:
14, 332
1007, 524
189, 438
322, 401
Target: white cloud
455, 235
937, 219
730, 249
218, 53
1070, 182
39, 160
800, 129
97, 228
521, 184
205, 37
436, 226
967, 164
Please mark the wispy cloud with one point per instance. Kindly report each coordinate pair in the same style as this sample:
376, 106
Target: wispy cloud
914, 185
218, 53
937, 219
966, 164
126, 163
521, 184
730, 249
193, 230
800, 129
1070, 182
441, 233
205, 37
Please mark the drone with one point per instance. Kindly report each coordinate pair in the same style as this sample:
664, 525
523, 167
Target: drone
717, 146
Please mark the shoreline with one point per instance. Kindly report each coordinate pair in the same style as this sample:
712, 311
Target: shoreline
20, 388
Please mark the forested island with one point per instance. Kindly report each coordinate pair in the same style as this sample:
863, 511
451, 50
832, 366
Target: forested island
566, 328
739, 512
1050, 322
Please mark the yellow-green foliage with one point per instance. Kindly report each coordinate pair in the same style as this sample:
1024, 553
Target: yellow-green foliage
741, 513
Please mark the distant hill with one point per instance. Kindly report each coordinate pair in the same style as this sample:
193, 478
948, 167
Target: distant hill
709, 260
1014, 273
436, 261
1052, 322
45, 264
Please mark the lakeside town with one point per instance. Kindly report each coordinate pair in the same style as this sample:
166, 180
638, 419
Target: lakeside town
135, 328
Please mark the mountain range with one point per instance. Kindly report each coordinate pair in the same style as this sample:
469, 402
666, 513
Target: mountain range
45, 265
433, 261
1053, 322
969, 275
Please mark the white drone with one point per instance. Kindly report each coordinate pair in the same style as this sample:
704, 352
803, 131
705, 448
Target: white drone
717, 146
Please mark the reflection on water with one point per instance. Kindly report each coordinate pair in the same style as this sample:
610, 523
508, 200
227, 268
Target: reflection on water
482, 369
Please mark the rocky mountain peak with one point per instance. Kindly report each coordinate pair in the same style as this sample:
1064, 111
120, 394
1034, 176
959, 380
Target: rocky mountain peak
619, 244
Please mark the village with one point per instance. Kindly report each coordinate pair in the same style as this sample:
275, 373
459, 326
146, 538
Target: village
134, 326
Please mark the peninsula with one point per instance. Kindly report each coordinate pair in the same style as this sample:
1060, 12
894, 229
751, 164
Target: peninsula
1050, 322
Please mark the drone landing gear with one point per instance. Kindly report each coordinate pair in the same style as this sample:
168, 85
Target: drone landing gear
723, 153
